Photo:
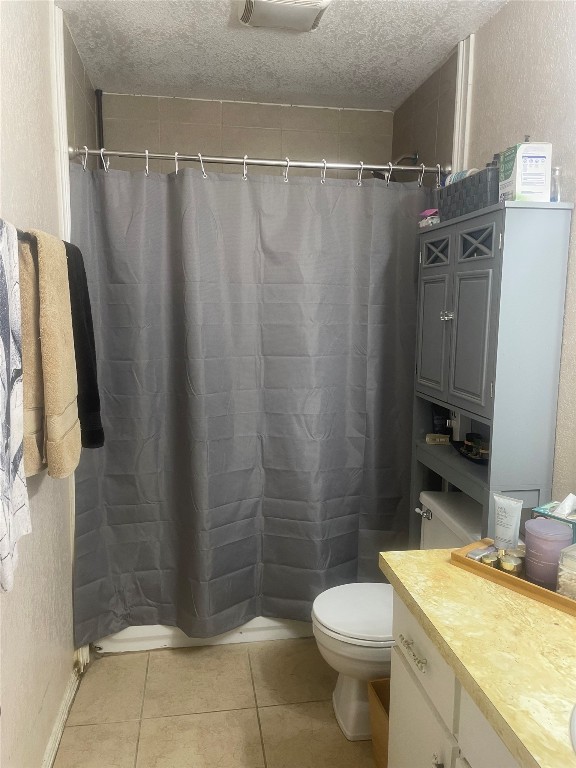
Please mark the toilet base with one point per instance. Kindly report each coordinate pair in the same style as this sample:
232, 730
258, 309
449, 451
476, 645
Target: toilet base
350, 702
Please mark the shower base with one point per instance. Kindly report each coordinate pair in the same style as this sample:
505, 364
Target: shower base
148, 638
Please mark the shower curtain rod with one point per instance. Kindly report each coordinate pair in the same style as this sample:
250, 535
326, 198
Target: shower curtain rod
245, 161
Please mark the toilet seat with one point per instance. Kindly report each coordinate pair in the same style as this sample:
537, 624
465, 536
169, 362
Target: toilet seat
358, 614
351, 640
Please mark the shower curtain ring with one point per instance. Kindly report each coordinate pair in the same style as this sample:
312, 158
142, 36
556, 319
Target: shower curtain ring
287, 169
85, 158
421, 177
176, 162
146, 170
438, 176
204, 174
323, 173
244, 174
390, 169
359, 182
105, 163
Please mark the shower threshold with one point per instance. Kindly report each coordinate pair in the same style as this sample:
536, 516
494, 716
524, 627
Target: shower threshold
151, 637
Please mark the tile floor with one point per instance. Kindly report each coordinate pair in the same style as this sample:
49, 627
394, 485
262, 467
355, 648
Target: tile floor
254, 705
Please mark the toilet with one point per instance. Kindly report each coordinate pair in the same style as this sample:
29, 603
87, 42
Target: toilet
352, 623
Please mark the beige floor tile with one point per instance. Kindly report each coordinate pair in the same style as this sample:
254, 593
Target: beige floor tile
111, 691
308, 736
191, 680
109, 745
210, 740
289, 672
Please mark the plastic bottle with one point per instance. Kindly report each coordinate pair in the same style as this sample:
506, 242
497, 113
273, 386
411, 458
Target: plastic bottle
555, 192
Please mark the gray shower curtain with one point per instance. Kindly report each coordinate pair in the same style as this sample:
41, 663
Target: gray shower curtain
255, 342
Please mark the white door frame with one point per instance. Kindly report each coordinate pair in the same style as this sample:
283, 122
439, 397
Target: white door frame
81, 655
463, 104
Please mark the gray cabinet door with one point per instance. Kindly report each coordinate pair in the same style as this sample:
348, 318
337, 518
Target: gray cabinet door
432, 346
468, 384
473, 333
433, 300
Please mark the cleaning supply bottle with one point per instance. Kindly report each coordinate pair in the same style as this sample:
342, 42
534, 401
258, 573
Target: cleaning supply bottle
555, 192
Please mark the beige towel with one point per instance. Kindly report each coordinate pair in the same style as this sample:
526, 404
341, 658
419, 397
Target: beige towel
53, 373
31, 363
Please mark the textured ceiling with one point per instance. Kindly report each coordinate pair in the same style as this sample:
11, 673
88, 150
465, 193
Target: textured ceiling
365, 54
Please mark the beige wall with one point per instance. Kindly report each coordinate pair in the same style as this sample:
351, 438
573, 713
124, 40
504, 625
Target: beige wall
80, 100
425, 121
239, 128
524, 75
36, 617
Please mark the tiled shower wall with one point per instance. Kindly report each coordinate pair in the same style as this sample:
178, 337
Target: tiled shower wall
80, 100
425, 121
235, 129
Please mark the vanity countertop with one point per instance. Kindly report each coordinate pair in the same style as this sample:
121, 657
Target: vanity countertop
515, 657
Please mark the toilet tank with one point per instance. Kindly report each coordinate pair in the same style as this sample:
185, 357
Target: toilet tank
456, 520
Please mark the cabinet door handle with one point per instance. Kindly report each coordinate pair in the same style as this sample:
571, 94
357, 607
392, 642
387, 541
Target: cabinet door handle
407, 644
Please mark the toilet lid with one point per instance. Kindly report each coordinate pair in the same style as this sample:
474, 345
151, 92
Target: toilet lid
361, 611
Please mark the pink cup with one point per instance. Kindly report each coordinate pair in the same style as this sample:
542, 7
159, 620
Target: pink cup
544, 540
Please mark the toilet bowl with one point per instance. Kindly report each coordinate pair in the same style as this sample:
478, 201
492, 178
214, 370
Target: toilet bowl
353, 629
353, 623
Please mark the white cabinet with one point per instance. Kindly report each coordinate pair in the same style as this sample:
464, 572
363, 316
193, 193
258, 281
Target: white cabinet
477, 739
433, 722
424, 659
417, 735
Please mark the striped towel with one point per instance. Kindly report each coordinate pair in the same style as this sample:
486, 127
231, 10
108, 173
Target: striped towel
15, 511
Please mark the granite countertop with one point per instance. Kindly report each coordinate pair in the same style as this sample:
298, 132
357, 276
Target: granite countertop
515, 657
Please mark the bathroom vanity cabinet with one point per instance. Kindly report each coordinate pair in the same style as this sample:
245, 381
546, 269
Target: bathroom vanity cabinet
490, 317
482, 677
433, 721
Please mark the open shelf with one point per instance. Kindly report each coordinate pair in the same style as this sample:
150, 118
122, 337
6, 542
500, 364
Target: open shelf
470, 478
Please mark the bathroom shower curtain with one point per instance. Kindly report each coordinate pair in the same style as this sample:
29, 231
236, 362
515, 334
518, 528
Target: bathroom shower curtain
255, 343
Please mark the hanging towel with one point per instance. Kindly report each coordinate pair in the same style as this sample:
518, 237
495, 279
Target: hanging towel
61, 440
15, 514
31, 357
85, 348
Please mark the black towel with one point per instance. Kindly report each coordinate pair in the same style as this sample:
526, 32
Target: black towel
85, 348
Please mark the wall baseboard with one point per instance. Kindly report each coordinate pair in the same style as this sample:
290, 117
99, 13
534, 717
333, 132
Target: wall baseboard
148, 638
63, 712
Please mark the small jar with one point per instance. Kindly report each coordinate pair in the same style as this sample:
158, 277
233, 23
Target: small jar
544, 541
491, 559
511, 564
567, 572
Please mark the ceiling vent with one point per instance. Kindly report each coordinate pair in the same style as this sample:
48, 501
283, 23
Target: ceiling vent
301, 15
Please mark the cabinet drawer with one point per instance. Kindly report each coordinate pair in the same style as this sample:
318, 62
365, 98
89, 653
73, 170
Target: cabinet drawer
479, 742
430, 669
418, 737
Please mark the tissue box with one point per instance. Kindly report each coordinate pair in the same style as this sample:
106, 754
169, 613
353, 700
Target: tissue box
525, 171
547, 510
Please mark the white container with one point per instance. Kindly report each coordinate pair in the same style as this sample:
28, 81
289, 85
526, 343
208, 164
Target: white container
525, 171
567, 572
